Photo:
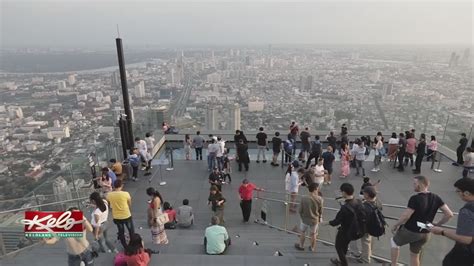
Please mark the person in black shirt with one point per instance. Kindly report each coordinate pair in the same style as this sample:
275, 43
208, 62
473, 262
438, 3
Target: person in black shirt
305, 145
316, 150
261, 144
216, 178
276, 147
422, 207
402, 147
243, 155
332, 140
459, 151
420, 153
216, 200
343, 219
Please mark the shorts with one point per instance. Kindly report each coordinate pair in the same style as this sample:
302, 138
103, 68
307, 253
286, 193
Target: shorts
329, 169
276, 152
416, 240
305, 147
313, 229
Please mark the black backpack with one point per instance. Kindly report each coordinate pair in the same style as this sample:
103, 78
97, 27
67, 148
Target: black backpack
375, 220
315, 148
357, 228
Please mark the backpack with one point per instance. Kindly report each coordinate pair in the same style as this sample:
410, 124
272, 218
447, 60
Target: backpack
375, 220
315, 148
288, 145
134, 161
357, 228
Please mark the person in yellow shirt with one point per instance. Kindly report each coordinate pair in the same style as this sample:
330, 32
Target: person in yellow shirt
116, 167
120, 202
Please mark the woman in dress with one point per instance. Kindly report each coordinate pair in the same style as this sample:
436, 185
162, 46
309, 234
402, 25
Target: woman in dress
154, 211
292, 183
187, 146
345, 159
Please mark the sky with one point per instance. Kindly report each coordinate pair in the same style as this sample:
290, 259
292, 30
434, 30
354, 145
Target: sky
76, 24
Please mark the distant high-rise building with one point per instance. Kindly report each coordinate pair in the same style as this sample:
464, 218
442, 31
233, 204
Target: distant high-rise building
140, 89
301, 83
387, 90
255, 105
61, 190
158, 115
71, 79
180, 68
309, 83
235, 117
247, 61
172, 77
62, 85
214, 78
466, 58
453, 61
211, 118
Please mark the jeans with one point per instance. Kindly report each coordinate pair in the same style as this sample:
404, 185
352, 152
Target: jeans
359, 164
211, 161
121, 224
288, 157
198, 153
261, 149
86, 257
246, 206
104, 242
342, 243
377, 160
220, 163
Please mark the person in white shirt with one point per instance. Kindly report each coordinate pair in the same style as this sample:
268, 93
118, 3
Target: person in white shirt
212, 151
468, 157
319, 172
358, 151
292, 183
220, 153
99, 221
142, 149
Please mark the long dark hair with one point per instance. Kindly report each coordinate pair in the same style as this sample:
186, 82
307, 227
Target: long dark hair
288, 170
98, 201
135, 245
186, 137
154, 193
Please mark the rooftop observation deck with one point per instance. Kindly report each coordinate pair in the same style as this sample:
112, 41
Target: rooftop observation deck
189, 179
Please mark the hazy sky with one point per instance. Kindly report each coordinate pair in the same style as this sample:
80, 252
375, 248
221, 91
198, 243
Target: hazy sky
86, 23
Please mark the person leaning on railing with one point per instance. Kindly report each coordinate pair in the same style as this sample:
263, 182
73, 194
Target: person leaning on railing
462, 253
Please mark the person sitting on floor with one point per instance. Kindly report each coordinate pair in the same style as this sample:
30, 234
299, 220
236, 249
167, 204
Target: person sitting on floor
171, 215
185, 215
216, 238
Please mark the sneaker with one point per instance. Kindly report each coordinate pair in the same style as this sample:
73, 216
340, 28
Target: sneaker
329, 182
272, 164
134, 179
258, 161
335, 261
298, 247
264, 161
147, 173
374, 170
311, 249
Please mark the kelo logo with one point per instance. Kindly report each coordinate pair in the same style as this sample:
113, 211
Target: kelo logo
53, 224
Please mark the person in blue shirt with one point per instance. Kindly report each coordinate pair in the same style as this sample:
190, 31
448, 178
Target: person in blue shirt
107, 172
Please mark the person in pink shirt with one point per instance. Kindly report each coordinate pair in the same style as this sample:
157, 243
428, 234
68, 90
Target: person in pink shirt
171, 215
246, 194
411, 147
432, 148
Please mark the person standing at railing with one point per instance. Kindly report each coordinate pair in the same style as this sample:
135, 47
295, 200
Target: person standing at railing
462, 253
246, 195
212, 150
392, 148
120, 202
468, 157
345, 159
277, 144
332, 141
432, 148
402, 147
261, 145
288, 146
461, 148
422, 207
187, 142
310, 211
379, 151
411, 148
420, 154
220, 153
292, 183
198, 143
294, 132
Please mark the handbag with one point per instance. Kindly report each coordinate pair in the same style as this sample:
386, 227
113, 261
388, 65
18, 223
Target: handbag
162, 219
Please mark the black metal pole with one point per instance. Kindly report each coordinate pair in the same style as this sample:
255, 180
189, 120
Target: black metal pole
126, 99
123, 136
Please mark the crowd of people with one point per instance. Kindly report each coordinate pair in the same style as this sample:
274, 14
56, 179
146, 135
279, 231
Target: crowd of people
312, 168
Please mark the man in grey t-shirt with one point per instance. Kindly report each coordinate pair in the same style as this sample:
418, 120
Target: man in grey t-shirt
463, 251
198, 142
185, 215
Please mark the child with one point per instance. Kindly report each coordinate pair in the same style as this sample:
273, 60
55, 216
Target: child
226, 170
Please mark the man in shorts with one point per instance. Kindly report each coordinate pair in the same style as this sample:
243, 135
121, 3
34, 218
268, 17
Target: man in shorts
422, 207
310, 211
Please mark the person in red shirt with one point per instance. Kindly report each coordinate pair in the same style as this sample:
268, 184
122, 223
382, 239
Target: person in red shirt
171, 215
135, 252
245, 194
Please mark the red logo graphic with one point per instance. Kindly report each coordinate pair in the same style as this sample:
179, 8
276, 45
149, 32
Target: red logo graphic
53, 224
